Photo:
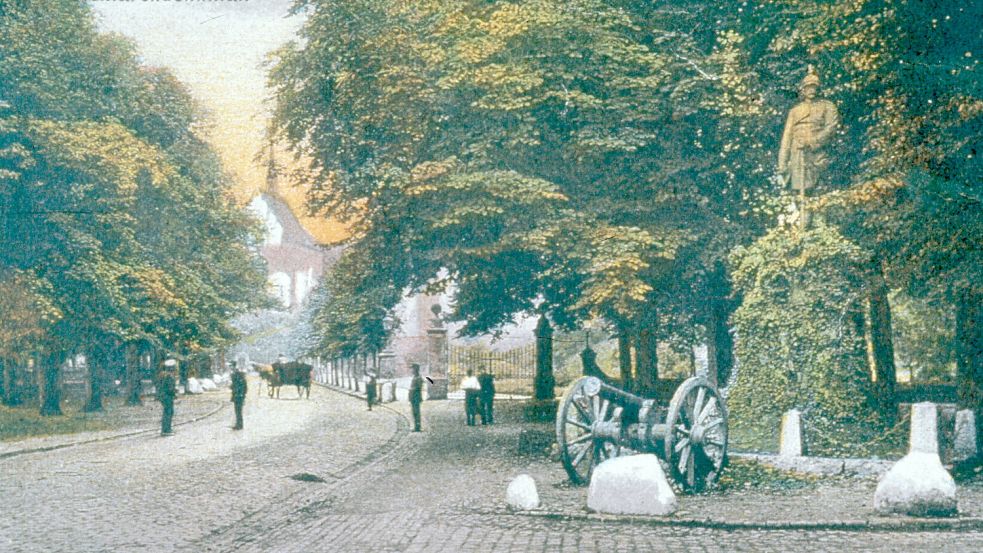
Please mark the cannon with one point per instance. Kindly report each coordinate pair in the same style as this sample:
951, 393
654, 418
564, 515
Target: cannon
596, 421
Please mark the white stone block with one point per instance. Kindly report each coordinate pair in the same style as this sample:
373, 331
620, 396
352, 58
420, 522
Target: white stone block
791, 437
208, 384
924, 428
633, 485
917, 485
521, 493
194, 387
965, 446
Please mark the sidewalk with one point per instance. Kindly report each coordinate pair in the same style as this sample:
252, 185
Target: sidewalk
135, 420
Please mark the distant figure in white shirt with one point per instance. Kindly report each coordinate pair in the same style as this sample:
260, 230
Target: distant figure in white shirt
471, 389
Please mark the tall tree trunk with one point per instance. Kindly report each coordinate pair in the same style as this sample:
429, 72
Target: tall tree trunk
647, 356
624, 357
132, 354
882, 343
969, 354
96, 359
11, 392
50, 373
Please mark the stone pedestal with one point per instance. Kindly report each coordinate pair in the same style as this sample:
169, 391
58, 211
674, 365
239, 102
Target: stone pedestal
791, 437
918, 484
437, 359
387, 364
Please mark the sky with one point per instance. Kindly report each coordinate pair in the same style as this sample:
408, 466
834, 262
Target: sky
217, 48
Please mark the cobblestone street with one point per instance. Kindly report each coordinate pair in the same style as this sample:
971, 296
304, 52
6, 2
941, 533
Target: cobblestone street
387, 490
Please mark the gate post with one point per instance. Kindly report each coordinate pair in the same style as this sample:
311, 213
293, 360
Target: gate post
437, 357
545, 381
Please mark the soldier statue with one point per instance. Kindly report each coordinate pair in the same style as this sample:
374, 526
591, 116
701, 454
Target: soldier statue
166, 390
808, 129
416, 396
239, 388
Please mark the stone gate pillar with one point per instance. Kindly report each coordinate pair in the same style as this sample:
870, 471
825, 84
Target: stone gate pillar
438, 358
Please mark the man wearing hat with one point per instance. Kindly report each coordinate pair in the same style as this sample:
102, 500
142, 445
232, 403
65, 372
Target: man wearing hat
808, 129
166, 390
239, 389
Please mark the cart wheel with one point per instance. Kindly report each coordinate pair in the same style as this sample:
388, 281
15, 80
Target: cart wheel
580, 410
696, 439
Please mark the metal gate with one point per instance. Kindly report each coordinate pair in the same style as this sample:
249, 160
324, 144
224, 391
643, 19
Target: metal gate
514, 369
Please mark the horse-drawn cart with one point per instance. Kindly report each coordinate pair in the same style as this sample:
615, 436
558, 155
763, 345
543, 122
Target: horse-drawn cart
596, 421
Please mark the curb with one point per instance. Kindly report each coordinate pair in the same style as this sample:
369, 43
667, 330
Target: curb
891, 525
9, 454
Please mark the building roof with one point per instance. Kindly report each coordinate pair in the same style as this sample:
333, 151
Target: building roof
293, 231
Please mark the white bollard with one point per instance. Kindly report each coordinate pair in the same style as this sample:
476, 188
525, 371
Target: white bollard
791, 438
918, 484
965, 445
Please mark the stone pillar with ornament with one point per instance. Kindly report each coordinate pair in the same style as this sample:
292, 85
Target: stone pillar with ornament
437, 357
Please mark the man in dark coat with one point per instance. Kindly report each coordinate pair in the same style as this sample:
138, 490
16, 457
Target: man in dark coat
166, 390
239, 388
487, 398
416, 396
371, 386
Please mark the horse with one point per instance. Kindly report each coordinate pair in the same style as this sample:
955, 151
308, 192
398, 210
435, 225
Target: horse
271, 377
296, 373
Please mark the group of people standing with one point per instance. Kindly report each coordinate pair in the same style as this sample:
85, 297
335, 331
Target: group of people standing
479, 397
166, 386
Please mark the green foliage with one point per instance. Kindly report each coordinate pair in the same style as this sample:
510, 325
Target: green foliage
924, 338
114, 214
800, 338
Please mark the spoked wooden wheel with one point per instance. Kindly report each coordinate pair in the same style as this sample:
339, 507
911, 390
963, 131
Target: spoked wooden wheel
585, 426
696, 436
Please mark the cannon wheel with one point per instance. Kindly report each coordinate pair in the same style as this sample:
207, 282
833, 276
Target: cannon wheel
696, 439
580, 449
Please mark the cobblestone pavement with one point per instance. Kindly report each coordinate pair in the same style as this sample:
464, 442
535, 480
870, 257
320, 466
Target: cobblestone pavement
387, 490
443, 490
148, 493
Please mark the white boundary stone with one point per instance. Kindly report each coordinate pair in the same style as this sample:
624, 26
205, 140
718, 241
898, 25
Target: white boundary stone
791, 437
521, 493
918, 484
633, 485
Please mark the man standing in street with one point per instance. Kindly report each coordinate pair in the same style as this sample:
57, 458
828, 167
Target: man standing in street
371, 386
471, 388
239, 389
416, 396
487, 407
166, 390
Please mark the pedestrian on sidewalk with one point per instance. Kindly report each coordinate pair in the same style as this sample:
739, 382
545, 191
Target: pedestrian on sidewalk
416, 396
487, 398
239, 388
371, 386
166, 390
471, 389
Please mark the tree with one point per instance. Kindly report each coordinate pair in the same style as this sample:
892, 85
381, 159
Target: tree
111, 202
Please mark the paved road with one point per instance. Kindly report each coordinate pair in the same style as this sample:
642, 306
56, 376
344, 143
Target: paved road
149, 493
385, 490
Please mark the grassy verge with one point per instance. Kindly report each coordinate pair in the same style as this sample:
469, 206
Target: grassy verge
743, 474
24, 421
